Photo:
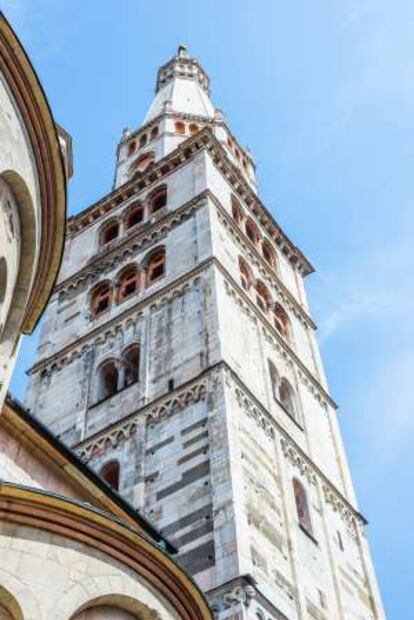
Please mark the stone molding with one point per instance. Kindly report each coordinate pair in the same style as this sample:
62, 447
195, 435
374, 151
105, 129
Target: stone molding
164, 407
297, 460
254, 412
339, 506
129, 246
206, 140
285, 296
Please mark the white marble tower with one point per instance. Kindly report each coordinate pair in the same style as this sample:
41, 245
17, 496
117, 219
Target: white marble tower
178, 357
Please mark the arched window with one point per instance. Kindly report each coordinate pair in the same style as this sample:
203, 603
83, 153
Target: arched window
179, 127
281, 320
143, 139
245, 274
101, 298
154, 132
131, 147
252, 231
262, 296
158, 199
109, 232
302, 506
268, 253
287, 397
229, 142
131, 365
142, 162
194, 128
236, 210
156, 266
274, 379
237, 153
107, 380
128, 282
134, 215
110, 473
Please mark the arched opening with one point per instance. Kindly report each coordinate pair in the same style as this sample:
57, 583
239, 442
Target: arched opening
193, 128
143, 139
109, 232
302, 506
281, 320
142, 162
156, 266
236, 210
179, 127
134, 215
110, 473
274, 379
154, 132
107, 380
101, 298
245, 274
131, 365
287, 397
268, 253
131, 147
157, 199
9, 607
262, 296
128, 282
252, 231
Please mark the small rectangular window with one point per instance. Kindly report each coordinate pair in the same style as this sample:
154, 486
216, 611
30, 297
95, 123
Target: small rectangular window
170, 385
340, 542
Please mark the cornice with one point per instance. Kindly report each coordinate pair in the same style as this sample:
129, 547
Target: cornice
97, 529
38, 121
206, 140
108, 329
198, 389
146, 234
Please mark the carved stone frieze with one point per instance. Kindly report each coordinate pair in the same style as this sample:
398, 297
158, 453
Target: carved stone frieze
254, 412
297, 460
238, 594
338, 505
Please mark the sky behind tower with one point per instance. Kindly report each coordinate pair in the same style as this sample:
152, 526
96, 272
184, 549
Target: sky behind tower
323, 95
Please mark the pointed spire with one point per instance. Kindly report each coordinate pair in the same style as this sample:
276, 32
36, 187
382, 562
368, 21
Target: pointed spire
183, 87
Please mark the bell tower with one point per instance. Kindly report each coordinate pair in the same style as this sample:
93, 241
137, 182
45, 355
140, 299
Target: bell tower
178, 357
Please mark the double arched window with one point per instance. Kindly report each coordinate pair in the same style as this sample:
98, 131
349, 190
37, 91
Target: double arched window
281, 320
302, 506
262, 296
101, 298
142, 162
268, 253
264, 246
283, 392
116, 374
245, 274
252, 231
236, 210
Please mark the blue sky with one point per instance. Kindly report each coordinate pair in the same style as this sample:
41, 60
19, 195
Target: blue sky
323, 94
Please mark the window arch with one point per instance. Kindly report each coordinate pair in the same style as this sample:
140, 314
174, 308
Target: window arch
302, 506
287, 397
109, 232
194, 128
157, 199
155, 266
154, 132
143, 139
108, 377
252, 231
274, 379
262, 296
268, 253
180, 127
101, 298
236, 210
245, 274
110, 473
281, 320
128, 282
131, 147
142, 162
134, 215
130, 361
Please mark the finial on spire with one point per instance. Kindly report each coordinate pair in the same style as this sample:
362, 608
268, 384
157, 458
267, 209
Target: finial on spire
182, 51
